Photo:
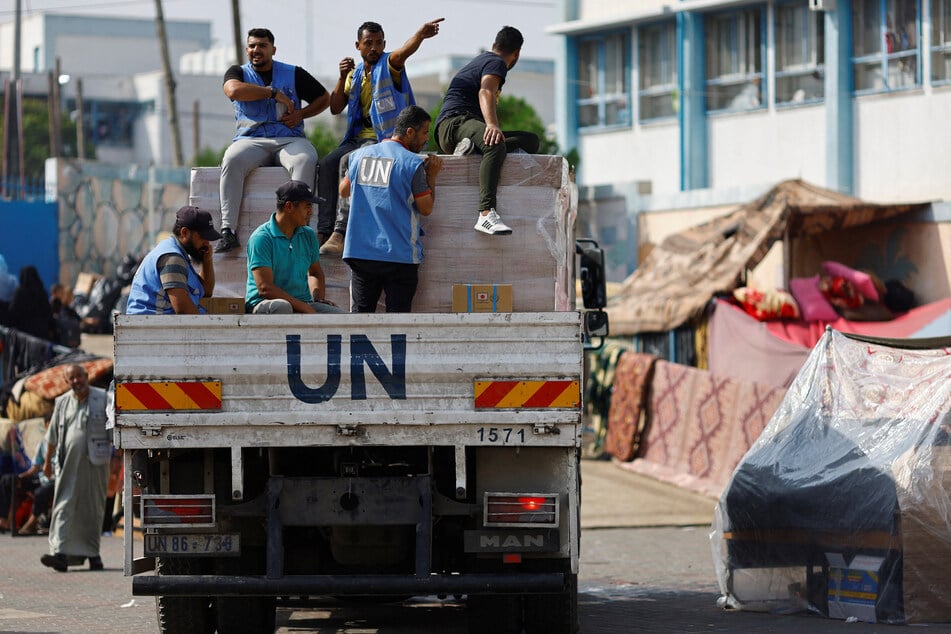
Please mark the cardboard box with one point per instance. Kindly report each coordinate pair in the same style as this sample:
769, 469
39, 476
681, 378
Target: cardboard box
853, 586
223, 305
481, 298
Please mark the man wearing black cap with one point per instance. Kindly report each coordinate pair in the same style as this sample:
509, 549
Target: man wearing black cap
166, 283
284, 273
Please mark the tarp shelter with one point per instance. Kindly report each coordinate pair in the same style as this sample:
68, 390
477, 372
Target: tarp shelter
842, 504
680, 275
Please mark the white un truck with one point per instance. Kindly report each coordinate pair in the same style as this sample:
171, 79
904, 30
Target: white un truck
272, 458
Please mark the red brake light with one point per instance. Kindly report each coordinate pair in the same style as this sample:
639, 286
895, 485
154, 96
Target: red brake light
531, 504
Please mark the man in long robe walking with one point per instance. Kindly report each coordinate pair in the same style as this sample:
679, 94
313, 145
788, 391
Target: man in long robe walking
78, 437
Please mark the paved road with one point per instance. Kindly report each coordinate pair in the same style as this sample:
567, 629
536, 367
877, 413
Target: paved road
635, 577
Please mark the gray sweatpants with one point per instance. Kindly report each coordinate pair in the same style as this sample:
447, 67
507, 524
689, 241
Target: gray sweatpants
296, 154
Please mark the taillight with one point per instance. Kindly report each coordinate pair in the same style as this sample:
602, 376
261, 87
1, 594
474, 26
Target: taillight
521, 509
178, 510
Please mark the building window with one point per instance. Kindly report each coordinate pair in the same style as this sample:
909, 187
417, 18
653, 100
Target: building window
108, 123
800, 54
734, 48
885, 44
603, 84
657, 65
941, 41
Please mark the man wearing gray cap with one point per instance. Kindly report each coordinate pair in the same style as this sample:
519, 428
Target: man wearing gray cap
284, 272
166, 281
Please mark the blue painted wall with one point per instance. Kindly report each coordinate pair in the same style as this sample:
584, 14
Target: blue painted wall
29, 235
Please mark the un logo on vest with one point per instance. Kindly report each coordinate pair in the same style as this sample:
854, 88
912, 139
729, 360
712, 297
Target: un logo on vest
375, 171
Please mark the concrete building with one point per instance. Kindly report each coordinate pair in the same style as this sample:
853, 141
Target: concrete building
687, 106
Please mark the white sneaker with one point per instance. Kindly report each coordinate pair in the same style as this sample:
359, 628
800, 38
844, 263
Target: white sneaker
463, 147
492, 224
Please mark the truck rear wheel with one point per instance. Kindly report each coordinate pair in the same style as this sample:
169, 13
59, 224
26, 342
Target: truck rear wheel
499, 614
553, 613
183, 614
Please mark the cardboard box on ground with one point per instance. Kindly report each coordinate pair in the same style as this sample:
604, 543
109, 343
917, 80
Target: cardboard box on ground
534, 199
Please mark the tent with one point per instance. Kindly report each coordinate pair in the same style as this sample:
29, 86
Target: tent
680, 275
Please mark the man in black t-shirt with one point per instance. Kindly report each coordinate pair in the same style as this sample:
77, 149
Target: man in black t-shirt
268, 98
468, 120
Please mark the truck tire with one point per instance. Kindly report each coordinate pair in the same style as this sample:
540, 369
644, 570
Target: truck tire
553, 613
246, 615
181, 615
498, 614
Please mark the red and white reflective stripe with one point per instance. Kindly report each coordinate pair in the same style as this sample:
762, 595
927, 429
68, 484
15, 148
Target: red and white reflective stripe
168, 395
527, 394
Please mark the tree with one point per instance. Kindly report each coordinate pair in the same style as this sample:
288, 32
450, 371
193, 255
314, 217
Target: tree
324, 139
36, 138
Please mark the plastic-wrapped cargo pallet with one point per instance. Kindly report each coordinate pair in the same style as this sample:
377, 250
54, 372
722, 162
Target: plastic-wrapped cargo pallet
535, 198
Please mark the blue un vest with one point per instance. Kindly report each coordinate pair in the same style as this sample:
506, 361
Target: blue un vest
146, 284
259, 118
384, 222
386, 101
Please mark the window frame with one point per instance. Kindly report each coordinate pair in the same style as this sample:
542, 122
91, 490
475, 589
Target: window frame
737, 78
938, 49
665, 27
883, 57
817, 67
600, 97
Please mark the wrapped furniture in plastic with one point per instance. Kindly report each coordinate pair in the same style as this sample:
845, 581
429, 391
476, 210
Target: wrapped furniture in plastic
843, 504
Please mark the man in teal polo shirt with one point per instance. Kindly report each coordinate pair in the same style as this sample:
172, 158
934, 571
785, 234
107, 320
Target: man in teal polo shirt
284, 274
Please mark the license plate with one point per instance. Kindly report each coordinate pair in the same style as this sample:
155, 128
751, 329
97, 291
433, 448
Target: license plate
197, 545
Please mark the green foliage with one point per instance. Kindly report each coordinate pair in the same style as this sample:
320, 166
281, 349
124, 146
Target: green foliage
208, 157
516, 114
323, 139
36, 137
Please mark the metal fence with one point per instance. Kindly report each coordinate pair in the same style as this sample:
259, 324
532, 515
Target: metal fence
12, 188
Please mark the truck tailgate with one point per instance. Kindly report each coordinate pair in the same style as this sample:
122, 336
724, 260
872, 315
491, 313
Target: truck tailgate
409, 378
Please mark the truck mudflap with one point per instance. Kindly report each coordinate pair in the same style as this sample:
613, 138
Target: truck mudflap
293, 585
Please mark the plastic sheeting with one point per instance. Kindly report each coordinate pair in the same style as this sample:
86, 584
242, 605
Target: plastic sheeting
843, 504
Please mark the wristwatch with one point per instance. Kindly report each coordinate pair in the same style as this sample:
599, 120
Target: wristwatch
273, 92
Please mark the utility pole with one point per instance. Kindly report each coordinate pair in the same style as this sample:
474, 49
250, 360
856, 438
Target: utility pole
169, 86
196, 130
12, 151
80, 122
238, 36
51, 113
58, 107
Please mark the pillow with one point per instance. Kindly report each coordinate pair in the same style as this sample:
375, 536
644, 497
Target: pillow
812, 304
50, 382
862, 282
770, 304
840, 292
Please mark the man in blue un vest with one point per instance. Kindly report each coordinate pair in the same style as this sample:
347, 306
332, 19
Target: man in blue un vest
374, 92
166, 283
268, 101
392, 188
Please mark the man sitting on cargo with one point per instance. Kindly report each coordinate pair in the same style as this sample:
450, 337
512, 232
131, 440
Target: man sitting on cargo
166, 283
284, 272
